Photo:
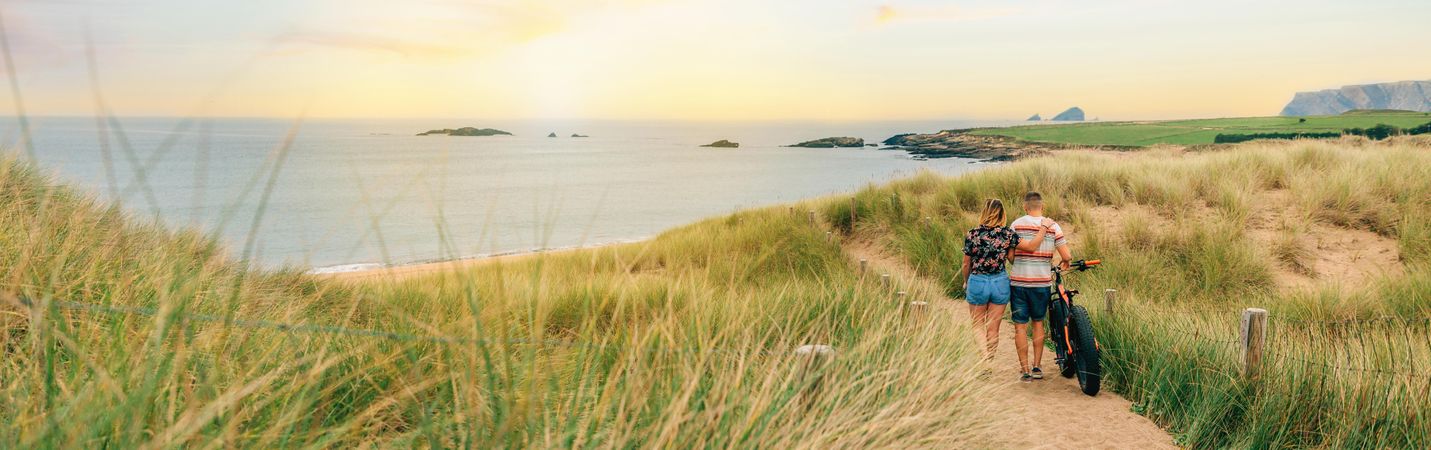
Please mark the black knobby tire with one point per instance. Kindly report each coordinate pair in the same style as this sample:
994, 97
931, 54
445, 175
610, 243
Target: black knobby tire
1066, 366
1085, 351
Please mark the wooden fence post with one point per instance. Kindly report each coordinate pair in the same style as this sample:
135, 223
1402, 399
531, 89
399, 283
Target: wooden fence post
1254, 335
917, 311
810, 362
1110, 296
864, 265
812, 216
884, 280
829, 236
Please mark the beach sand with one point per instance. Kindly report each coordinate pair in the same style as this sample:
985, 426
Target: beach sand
431, 268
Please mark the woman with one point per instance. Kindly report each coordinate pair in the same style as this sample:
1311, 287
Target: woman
986, 284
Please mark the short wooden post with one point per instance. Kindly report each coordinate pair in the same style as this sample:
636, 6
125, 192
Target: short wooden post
812, 216
864, 266
884, 280
1109, 297
917, 311
829, 236
899, 297
810, 362
1254, 336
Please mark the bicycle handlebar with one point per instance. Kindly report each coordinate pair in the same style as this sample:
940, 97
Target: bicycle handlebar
1082, 265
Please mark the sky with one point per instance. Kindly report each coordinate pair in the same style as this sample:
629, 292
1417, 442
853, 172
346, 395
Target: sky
701, 59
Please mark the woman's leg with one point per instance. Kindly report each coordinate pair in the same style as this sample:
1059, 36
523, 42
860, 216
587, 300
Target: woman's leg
978, 313
993, 317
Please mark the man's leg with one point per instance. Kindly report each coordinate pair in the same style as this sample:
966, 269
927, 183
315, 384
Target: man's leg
1038, 343
1021, 345
1038, 310
1019, 304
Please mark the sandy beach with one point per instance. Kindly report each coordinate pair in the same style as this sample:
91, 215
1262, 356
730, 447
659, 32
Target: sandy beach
430, 268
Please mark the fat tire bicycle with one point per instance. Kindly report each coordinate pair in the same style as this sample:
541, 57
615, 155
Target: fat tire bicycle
1075, 346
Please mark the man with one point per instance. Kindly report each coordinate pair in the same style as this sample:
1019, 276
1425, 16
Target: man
1031, 278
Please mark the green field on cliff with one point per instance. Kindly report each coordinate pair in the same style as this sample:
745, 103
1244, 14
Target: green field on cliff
1199, 131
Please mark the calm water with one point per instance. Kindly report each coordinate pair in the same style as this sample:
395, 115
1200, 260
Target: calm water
356, 192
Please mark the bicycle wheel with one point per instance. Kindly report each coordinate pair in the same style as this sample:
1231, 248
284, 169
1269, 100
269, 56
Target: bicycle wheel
1056, 315
1085, 351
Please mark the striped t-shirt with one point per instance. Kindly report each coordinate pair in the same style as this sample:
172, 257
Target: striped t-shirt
1034, 269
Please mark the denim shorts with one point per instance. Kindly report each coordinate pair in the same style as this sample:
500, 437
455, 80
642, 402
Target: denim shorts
988, 288
1029, 303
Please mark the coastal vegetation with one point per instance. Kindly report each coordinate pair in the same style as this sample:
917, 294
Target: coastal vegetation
1199, 131
468, 131
1330, 236
122, 333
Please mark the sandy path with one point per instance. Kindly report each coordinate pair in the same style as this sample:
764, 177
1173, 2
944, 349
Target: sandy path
1051, 413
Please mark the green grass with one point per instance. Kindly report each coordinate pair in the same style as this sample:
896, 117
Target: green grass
1348, 363
683, 341
1200, 131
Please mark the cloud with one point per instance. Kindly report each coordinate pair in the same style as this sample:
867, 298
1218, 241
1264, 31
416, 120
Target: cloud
889, 14
370, 42
440, 29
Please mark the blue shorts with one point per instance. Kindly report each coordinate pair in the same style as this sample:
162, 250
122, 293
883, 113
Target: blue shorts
1029, 303
988, 288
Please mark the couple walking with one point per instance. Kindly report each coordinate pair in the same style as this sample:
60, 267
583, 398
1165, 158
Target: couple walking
1028, 245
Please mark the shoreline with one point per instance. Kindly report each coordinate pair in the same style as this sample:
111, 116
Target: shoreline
367, 271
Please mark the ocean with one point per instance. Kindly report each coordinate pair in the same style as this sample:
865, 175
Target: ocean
351, 193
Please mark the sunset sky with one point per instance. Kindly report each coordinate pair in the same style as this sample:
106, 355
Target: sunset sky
706, 59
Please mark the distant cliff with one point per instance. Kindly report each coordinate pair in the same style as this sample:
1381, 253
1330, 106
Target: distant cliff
1404, 95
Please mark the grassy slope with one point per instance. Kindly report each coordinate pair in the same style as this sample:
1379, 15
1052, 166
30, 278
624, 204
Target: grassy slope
1186, 271
1201, 131
683, 341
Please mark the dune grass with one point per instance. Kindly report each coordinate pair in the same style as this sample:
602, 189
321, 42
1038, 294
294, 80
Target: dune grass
1346, 364
121, 334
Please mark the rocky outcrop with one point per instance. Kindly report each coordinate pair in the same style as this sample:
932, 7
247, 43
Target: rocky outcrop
1035, 118
832, 142
1403, 95
723, 144
554, 134
466, 131
961, 144
1074, 114
579, 135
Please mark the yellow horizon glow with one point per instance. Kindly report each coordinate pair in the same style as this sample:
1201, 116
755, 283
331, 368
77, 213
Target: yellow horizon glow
712, 60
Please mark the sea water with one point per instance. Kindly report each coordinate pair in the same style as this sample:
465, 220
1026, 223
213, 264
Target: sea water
353, 193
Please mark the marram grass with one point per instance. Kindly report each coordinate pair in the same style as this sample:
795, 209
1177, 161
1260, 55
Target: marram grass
1347, 363
682, 341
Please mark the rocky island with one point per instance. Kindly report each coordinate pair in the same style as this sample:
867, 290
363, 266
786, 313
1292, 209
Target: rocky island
1035, 118
1074, 114
466, 131
962, 144
578, 135
723, 144
832, 142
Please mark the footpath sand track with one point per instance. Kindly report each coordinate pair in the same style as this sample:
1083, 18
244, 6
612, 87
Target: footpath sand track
1050, 413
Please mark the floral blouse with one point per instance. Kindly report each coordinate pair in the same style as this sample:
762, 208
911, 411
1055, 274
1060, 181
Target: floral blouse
988, 248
